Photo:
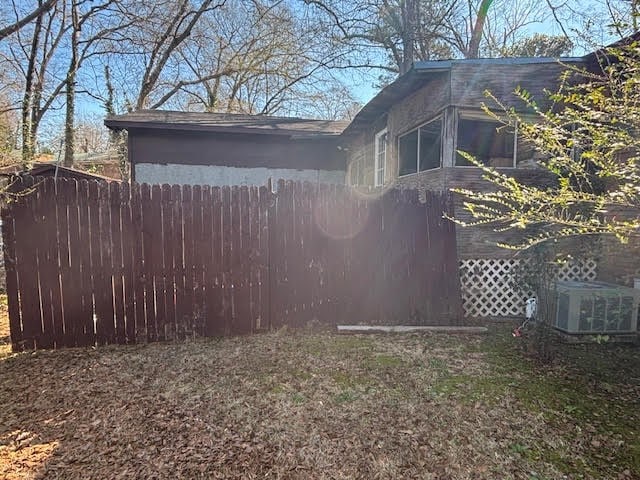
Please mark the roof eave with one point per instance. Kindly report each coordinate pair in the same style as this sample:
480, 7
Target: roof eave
185, 126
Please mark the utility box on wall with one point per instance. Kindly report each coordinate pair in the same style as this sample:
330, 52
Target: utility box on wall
596, 308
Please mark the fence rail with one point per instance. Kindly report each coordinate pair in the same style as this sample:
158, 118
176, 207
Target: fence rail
102, 263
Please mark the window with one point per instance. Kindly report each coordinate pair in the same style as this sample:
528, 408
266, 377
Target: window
355, 170
360, 169
491, 143
381, 158
420, 149
353, 173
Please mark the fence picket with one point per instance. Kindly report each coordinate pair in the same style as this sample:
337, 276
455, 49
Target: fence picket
128, 264
47, 262
197, 260
243, 256
178, 269
105, 321
115, 204
215, 297
168, 276
13, 302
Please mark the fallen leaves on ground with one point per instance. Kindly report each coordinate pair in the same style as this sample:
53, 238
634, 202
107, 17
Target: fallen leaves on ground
278, 405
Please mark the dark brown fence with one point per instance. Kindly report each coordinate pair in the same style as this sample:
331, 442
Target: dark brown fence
100, 263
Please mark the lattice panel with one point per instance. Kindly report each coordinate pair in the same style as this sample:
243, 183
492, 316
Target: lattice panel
488, 290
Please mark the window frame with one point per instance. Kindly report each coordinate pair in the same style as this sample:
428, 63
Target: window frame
440, 117
483, 117
357, 165
377, 167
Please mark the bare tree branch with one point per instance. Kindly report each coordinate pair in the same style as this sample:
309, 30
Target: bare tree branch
42, 8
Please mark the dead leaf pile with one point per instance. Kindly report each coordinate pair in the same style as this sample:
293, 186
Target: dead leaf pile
270, 406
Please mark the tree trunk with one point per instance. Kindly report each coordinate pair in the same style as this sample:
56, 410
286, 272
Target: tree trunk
476, 36
69, 125
410, 21
28, 146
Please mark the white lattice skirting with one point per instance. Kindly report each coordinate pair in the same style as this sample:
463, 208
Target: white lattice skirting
487, 285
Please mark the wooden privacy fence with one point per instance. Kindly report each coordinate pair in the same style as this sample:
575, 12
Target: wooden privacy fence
99, 263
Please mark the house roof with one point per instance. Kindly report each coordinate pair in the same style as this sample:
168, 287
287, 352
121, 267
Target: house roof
49, 169
421, 73
629, 40
226, 123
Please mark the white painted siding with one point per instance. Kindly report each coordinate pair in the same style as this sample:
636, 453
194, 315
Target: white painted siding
221, 175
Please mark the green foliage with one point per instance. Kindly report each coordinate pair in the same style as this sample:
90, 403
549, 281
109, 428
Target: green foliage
540, 45
589, 141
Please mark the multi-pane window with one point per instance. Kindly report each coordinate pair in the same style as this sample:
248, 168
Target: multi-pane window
360, 170
380, 158
420, 149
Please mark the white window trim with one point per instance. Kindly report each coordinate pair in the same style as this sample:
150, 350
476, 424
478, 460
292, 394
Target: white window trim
437, 117
377, 164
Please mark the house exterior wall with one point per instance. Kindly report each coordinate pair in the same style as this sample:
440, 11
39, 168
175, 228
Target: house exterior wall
219, 175
462, 89
410, 112
481, 242
470, 81
171, 156
619, 262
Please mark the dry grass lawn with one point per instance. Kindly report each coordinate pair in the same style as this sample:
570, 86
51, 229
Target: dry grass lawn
318, 405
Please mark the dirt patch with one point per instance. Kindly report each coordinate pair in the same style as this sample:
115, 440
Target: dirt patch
294, 405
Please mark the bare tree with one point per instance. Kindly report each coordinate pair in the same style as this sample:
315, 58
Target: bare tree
411, 30
91, 25
45, 38
22, 20
601, 23
180, 22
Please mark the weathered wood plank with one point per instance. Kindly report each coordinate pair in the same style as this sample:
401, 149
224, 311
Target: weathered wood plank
176, 199
264, 208
97, 282
9, 252
227, 280
243, 257
157, 267
28, 274
215, 291
208, 278
147, 260
83, 256
117, 263
254, 258
197, 261
47, 264
128, 274
169, 267
105, 324
237, 326
187, 220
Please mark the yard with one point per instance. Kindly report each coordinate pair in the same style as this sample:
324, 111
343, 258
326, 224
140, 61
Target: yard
313, 404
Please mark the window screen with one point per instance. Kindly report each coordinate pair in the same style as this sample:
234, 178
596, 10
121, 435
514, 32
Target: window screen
408, 153
430, 142
489, 142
